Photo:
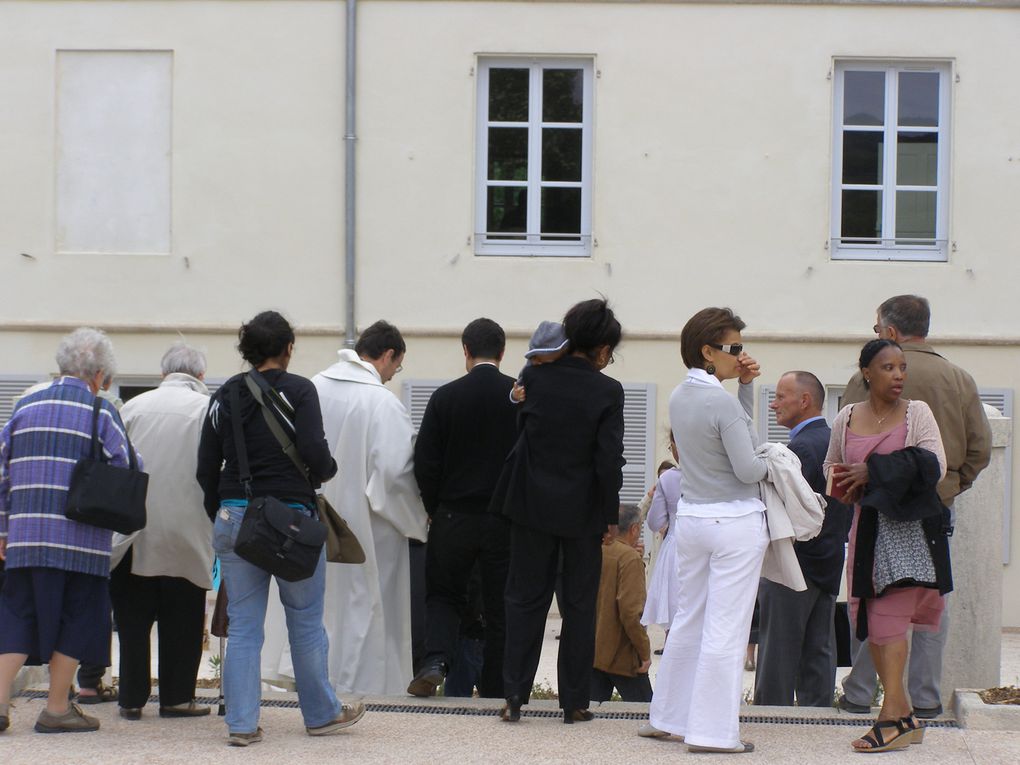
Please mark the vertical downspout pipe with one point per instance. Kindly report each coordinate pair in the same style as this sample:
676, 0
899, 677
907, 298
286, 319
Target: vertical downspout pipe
350, 325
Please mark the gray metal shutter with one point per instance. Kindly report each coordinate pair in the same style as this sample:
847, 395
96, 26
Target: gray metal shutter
1002, 399
768, 429
416, 394
11, 388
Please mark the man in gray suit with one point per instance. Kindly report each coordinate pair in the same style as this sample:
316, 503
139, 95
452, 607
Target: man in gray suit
797, 638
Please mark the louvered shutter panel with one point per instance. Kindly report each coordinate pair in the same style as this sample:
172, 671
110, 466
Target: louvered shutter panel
416, 394
1002, 399
214, 383
11, 388
768, 429
638, 440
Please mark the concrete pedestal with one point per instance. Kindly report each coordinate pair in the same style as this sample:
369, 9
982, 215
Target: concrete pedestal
973, 650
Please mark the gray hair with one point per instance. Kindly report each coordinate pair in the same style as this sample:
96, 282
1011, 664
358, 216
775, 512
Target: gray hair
910, 314
629, 515
85, 353
183, 358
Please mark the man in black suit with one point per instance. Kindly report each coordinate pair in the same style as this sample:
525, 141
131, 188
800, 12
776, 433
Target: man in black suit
467, 431
797, 641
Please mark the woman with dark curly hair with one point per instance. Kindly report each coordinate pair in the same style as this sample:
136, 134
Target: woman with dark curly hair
886, 457
560, 489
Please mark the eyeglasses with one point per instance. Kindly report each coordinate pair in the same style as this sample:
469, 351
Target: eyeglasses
734, 349
877, 329
399, 369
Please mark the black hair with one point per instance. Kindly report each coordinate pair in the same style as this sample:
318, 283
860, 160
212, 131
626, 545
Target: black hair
706, 327
264, 337
484, 339
909, 314
379, 338
591, 324
870, 350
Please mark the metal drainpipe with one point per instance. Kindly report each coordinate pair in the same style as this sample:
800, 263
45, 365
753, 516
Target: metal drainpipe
350, 327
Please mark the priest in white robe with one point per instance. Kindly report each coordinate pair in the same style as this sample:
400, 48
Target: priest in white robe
367, 606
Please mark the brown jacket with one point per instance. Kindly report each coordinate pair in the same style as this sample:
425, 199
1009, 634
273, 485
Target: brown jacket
621, 643
953, 398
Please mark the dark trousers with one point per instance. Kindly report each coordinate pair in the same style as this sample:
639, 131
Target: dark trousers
797, 648
91, 675
637, 688
178, 608
456, 542
529, 589
416, 555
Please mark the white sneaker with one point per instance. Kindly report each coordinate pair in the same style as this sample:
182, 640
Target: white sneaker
650, 731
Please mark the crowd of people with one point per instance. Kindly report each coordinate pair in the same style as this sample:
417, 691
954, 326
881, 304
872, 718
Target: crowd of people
509, 495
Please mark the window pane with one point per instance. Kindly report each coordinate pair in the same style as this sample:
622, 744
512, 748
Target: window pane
864, 98
562, 95
915, 215
919, 99
561, 213
508, 154
862, 215
917, 159
508, 95
506, 211
561, 154
862, 156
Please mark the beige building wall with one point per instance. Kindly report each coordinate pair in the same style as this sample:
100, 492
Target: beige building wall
712, 177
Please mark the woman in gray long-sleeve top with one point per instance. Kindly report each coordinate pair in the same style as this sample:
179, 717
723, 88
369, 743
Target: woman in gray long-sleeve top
721, 537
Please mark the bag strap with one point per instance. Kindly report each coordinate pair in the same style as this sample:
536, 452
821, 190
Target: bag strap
260, 390
243, 469
97, 452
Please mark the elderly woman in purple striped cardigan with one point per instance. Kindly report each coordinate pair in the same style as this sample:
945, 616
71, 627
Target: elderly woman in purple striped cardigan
55, 603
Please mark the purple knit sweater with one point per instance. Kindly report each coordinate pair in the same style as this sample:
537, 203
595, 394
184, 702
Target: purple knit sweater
48, 433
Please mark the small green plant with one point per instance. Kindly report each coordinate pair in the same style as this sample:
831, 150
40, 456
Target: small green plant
543, 691
216, 665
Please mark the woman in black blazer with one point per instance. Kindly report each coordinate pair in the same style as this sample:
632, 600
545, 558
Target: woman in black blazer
560, 489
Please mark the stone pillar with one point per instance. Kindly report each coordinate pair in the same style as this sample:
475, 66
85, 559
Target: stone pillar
972, 655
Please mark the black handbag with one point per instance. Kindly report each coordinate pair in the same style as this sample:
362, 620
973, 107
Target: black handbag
104, 495
277, 538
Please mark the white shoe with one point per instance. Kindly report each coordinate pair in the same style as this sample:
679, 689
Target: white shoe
650, 731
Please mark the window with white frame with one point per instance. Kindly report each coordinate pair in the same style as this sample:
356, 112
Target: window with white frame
891, 161
534, 143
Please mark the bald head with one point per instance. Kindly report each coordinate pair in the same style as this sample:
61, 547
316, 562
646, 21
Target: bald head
799, 396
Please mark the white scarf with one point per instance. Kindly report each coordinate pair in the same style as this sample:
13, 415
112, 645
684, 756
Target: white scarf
697, 376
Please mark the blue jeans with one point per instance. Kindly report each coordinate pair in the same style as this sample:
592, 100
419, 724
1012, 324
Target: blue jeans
247, 596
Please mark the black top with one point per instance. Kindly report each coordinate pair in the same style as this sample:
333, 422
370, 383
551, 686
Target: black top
821, 558
273, 472
564, 474
468, 429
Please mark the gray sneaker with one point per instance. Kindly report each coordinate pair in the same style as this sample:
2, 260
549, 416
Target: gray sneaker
349, 714
243, 739
5, 717
72, 721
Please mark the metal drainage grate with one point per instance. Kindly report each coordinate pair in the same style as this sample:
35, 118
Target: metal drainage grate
442, 709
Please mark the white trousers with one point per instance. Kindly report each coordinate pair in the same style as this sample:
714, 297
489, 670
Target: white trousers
699, 682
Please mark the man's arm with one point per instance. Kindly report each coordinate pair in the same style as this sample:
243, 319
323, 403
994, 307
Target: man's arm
428, 457
609, 459
979, 437
210, 460
630, 603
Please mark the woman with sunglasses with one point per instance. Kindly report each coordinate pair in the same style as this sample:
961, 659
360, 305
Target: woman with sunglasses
721, 536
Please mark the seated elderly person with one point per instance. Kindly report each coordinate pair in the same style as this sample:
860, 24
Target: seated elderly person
622, 651
55, 605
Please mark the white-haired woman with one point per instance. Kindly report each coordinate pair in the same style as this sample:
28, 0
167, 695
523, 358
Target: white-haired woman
55, 605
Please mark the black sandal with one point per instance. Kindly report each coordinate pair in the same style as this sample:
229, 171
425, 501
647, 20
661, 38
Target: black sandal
877, 741
571, 716
103, 694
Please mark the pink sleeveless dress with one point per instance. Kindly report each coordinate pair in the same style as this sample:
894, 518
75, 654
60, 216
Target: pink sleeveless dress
890, 615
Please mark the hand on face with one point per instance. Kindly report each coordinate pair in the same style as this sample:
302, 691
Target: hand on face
749, 368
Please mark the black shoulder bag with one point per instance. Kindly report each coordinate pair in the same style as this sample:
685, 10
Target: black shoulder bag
104, 495
342, 544
275, 537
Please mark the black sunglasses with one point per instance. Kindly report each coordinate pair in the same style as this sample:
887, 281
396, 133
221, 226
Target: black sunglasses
734, 349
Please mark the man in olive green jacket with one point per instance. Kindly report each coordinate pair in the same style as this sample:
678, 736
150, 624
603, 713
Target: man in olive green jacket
967, 439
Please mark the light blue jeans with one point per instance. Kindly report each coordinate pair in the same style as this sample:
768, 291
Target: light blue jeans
247, 596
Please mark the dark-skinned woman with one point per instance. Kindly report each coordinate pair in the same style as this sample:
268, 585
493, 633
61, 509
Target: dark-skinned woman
560, 489
886, 457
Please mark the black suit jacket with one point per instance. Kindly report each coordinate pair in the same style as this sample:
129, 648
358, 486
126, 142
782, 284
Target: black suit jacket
564, 474
467, 431
821, 558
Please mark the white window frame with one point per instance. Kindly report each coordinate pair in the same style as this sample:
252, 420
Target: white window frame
533, 245
890, 248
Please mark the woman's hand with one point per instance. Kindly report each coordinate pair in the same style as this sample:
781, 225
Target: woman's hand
517, 394
852, 479
610, 534
749, 368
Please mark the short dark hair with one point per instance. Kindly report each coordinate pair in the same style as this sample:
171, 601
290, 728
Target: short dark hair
664, 466
910, 314
264, 337
378, 338
706, 327
810, 383
870, 350
484, 339
591, 324
629, 515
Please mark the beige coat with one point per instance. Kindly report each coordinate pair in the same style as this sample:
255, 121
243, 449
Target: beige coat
621, 643
165, 425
